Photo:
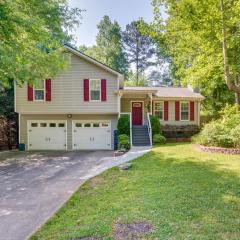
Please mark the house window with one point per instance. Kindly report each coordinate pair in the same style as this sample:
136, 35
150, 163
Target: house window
184, 111
158, 110
95, 89
39, 91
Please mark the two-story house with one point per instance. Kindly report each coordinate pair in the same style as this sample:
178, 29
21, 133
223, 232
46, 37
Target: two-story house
79, 108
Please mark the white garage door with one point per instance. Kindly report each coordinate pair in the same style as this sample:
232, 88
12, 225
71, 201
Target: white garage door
47, 135
89, 135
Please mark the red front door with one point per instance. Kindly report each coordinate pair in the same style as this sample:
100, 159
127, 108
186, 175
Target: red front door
137, 108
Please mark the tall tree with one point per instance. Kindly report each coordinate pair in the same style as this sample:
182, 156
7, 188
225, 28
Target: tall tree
8, 119
31, 34
109, 46
202, 38
139, 47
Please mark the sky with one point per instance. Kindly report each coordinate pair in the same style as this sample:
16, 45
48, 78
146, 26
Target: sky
123, 11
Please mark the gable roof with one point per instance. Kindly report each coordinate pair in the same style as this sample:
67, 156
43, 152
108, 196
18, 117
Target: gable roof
91, 60
167, 92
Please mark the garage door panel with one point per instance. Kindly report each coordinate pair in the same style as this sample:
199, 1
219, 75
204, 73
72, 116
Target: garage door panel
47, 135
92, 135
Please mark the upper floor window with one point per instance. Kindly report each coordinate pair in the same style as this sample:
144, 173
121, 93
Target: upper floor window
95, 89
158, 110
39, 91
184, 111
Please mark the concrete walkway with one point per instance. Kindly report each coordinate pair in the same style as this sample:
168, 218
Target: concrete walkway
35, 185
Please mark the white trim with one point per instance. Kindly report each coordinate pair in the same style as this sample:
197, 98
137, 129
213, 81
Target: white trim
198, 117
100, 91
159, 101
92, 121
181, 111
142, 109
44, 89
15, 96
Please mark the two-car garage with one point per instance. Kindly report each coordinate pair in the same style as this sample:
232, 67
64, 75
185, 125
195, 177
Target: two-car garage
79, 135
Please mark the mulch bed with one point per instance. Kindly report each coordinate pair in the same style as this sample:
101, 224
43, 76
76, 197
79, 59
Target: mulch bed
219, 150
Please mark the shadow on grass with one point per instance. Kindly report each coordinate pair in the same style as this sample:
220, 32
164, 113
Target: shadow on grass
183, 197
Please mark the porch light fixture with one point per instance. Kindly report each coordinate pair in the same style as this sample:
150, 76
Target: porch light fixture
69, 116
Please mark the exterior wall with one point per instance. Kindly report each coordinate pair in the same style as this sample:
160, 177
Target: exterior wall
67, 92
126, 107
171, 114
126, 103
25, 117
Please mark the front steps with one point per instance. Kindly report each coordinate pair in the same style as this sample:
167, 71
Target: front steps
140, 136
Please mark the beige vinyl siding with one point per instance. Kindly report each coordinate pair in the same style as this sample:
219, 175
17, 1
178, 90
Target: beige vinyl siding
26, 117
126, 103
171, 114
67, 92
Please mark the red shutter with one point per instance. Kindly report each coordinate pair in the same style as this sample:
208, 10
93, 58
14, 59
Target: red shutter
104, 90
177, 111
86, 90
191, 111
48, 88
30, 93
166, 111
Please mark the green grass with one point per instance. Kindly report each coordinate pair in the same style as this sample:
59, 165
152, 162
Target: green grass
184, 193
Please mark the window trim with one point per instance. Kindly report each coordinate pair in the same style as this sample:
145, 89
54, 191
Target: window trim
184, 120
44, 93
100, 90
154, 106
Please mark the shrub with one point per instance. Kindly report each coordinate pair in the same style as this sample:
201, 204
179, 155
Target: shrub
155, 124
235, 134
123, 142
124, 125
224, 132
158, 138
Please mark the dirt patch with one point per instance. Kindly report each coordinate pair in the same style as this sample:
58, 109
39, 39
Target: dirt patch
131, 231
87, 238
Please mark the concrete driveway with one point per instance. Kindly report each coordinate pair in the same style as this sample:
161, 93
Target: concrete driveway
34, 185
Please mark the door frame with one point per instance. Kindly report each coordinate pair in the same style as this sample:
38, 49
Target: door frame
39, 121
135, 101
92, 121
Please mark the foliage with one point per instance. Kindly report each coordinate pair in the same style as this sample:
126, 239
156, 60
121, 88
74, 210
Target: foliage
123, 142
158, 138
160, 77
139, 48
32, 33
124, 125
223, 132
156, 127
8, 118
192, 36
132, 79
109, 48
182, 193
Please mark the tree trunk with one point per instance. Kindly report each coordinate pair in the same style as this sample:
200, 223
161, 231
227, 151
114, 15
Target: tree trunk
137, 62
230, 83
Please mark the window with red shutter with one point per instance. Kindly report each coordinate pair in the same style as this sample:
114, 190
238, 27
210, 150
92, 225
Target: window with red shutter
86, 90
166, 111
104, 90
48, 89
177, 110
30, 92
192, 111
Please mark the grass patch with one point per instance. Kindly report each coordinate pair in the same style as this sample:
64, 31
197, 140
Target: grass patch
181, 192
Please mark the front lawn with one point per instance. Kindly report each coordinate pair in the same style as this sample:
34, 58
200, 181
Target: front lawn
181, 192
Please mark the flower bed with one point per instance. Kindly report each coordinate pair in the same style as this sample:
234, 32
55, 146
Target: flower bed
220, 150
